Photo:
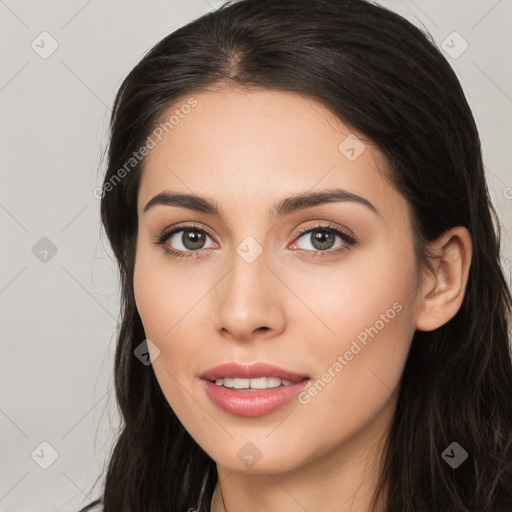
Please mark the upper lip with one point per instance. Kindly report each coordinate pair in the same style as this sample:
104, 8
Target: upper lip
244, 371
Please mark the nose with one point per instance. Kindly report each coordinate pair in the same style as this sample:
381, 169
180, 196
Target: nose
249, 302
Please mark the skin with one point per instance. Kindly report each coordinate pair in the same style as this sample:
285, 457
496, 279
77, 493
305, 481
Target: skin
286, 307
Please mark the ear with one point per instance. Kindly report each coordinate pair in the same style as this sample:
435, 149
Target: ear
443, 287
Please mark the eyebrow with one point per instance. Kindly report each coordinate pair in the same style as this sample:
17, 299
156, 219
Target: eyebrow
281, 209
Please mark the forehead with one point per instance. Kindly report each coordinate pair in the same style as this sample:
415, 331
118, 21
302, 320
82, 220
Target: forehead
246, 148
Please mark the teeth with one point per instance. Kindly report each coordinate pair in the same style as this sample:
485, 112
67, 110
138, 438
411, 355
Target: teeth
256, 383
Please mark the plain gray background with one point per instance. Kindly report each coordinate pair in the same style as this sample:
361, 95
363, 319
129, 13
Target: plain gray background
59, 309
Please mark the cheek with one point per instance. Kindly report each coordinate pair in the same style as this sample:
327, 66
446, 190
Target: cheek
161, 295
345, 299
150, 299
168, 302
369, 311
163, 312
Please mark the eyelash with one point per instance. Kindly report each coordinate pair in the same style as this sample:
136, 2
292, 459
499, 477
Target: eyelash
349, 241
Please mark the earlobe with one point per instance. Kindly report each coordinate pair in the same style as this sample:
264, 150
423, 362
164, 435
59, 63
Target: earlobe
444, 286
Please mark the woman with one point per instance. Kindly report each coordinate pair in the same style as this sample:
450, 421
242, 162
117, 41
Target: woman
296, 199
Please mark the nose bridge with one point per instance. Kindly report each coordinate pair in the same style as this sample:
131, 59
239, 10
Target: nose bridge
247, 299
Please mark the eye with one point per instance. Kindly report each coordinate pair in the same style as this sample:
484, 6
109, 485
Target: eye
188, 240
184, 240
322, 238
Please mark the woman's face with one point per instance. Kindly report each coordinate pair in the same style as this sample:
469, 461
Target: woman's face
339, 308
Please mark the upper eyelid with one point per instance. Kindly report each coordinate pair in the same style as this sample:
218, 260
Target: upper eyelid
327, 226
181, 227
319, 225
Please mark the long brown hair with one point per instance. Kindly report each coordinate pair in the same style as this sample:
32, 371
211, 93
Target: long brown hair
387, 79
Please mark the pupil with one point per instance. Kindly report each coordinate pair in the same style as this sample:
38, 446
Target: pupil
193, 239
323, 239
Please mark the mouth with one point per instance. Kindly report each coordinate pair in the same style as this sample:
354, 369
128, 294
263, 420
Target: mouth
252, 390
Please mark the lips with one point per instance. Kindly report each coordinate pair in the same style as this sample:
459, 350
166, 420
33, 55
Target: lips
242, 371
255, 403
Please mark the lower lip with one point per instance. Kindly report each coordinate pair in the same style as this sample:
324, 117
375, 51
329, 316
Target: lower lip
250, 404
